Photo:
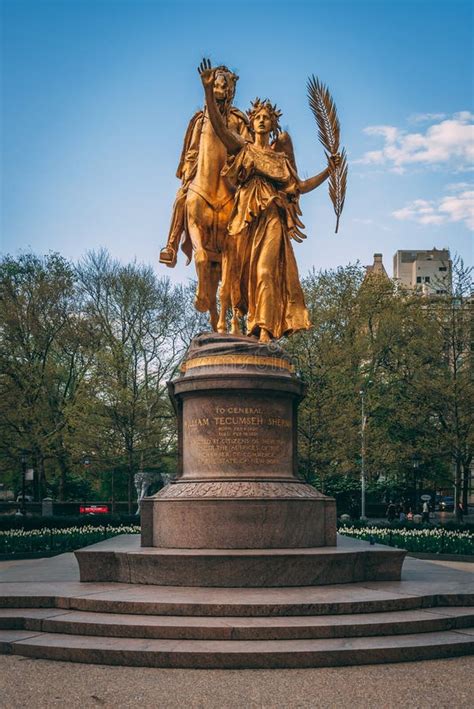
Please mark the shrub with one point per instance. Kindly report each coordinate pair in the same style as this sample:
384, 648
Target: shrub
425, 539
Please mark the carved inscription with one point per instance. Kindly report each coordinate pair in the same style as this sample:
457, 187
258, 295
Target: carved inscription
243, 438
230, 437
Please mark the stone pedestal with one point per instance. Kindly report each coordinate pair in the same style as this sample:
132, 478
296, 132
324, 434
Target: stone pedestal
237, 515
236, 402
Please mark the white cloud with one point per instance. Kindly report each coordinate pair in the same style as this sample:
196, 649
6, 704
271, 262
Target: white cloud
456, 207
371, 222
426, 117
459, 208
451, 140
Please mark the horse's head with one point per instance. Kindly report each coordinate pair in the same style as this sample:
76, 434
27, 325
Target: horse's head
224, 85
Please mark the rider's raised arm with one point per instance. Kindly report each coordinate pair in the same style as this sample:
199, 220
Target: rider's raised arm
232, 141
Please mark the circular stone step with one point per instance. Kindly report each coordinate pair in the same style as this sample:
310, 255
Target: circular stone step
238, 654
182, 601
121, 559
426, 615
237, 628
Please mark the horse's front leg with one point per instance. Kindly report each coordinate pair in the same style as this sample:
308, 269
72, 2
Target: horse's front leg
215, 275
225, 301
224, 297
198, 216
229, 272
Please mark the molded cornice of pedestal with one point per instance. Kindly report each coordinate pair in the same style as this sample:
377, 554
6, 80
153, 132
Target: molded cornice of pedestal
213, 353
237, 489
217, 345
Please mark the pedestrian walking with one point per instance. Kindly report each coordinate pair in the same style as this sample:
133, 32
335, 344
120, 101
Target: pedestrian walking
425, 516
391, 511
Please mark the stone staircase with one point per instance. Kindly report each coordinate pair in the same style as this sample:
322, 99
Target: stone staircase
130, 624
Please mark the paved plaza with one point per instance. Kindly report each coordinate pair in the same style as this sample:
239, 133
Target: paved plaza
25, 682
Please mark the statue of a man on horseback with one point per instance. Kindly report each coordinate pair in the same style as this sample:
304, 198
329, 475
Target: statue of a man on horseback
204, 201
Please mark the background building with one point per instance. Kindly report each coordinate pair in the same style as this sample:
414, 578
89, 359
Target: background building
377, 268
430, 271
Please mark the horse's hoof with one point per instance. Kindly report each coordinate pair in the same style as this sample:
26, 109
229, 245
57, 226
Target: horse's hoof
235, 330
201, 304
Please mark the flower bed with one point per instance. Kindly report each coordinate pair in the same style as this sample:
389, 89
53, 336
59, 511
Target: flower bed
428, 540
9, 521
21, 541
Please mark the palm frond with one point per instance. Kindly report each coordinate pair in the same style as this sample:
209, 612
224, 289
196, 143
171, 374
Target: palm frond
337, 186
325, 113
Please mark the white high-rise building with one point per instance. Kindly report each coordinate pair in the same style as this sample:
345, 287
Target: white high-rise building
428, 271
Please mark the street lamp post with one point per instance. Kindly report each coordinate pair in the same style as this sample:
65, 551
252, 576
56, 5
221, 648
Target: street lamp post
415, 463
363, 425
113, 490
362, 453
23, 484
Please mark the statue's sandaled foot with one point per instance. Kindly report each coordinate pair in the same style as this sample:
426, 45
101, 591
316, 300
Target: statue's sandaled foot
235, 328
168, 256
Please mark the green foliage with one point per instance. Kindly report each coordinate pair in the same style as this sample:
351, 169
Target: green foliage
408, 357
78, 487
86, 351
85, 355
45, 349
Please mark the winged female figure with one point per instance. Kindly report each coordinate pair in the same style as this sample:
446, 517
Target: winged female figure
261, 265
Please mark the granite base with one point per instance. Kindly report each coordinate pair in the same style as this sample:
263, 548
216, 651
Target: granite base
122, 560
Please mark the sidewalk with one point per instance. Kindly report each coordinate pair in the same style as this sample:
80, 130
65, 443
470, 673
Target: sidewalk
25, 683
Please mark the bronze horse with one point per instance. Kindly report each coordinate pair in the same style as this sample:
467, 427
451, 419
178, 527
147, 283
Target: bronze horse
204, 203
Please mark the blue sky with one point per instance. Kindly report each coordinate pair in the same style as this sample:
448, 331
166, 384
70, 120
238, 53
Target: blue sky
96, 97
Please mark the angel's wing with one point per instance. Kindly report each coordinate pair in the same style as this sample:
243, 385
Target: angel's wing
284, 144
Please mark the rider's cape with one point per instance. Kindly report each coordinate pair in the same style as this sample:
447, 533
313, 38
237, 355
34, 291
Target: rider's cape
189, 133
187, 140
